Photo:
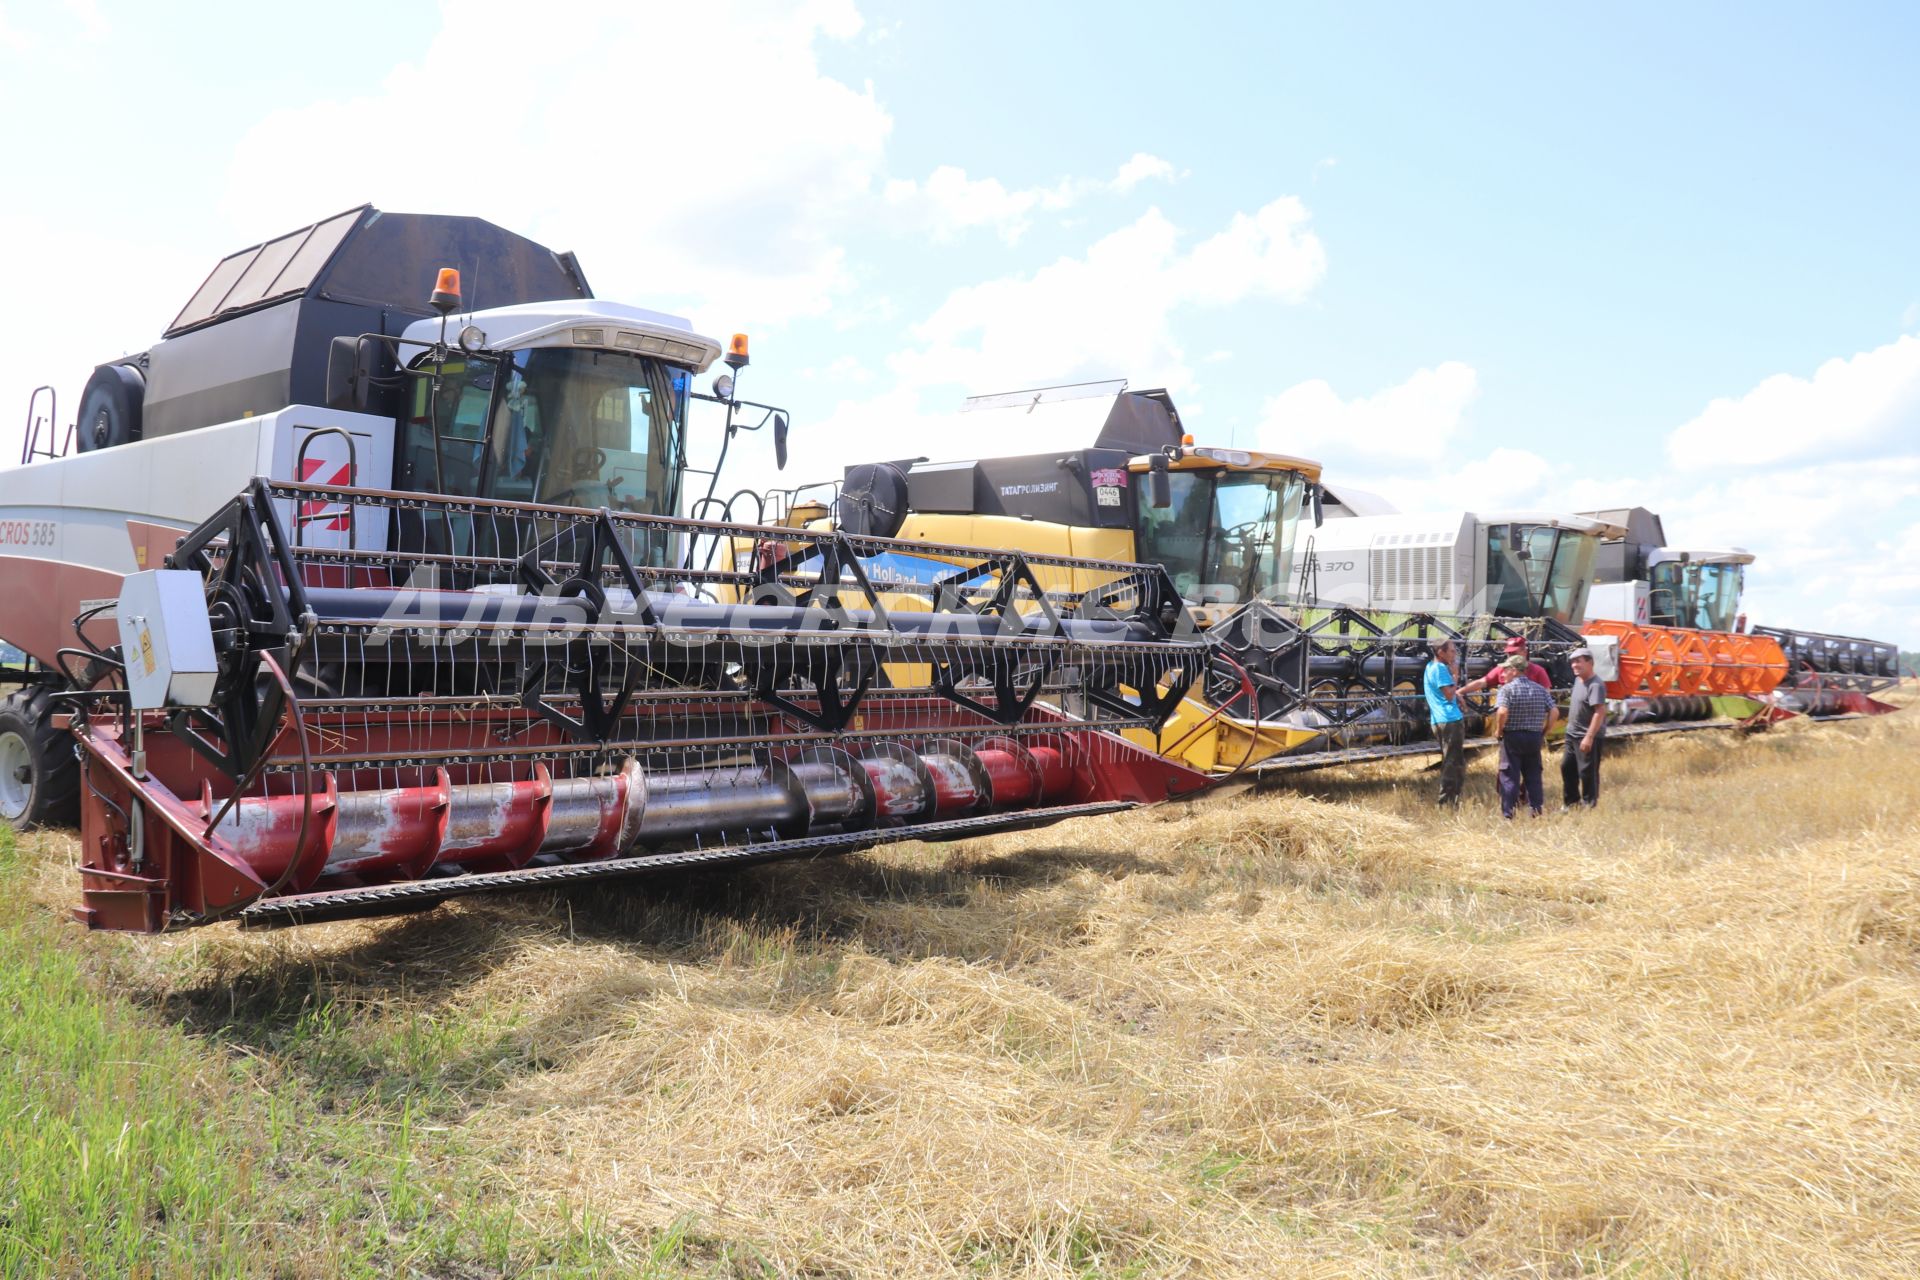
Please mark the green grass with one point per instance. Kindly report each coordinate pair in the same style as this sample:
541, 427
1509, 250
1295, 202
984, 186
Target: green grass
131, 1146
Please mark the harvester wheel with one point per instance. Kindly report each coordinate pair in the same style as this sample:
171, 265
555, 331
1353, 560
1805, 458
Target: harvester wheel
39, 777
110, 408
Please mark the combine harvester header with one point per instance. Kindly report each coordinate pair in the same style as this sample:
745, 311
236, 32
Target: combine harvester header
445, 632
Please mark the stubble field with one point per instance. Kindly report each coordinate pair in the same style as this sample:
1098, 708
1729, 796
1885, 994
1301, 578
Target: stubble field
1319, 1031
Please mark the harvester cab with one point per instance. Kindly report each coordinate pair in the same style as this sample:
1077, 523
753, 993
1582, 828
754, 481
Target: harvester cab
357, 604
1119, 479
1639, 578
1508, 564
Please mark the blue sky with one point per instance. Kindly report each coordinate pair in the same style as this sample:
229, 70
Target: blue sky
1513, 256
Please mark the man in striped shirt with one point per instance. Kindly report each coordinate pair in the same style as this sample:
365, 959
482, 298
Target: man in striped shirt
1524, 714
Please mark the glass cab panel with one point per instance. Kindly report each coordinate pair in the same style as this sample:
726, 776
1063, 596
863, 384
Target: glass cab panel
1227, 536
1705, 596
1718, 607
1538, 571
567, 427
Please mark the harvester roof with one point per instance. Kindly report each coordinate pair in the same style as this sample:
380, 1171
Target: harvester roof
613, 326
1731, 555
1207, 458
1594, 523
369, 257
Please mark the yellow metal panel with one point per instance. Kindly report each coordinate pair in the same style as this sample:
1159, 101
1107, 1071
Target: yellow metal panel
1256, 461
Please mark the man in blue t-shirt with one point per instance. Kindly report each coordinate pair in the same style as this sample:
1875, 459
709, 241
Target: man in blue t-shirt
1449, 722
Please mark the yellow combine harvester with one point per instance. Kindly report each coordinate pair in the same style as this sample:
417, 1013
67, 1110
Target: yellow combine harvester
1221, 521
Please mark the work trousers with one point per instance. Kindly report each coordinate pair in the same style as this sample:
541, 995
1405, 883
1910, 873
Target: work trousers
1453, 760
1520, 770
1580, 773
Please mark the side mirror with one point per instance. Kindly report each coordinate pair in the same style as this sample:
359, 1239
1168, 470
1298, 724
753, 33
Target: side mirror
356, 368
1319, 514
340, 371
1159, 490
1516, 541
780, 441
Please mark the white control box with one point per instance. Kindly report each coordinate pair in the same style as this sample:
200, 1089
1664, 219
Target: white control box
1606, 656
166, 639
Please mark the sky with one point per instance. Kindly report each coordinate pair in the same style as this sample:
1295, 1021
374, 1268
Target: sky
1514, 256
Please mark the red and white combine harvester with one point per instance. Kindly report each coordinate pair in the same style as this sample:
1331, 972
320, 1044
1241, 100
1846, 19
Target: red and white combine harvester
355, 599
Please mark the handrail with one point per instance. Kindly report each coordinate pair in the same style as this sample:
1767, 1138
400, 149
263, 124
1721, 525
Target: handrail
300, 518
30, 447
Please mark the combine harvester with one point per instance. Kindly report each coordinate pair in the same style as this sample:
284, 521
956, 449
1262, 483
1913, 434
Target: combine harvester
1120, 479
346, 618
1552, 564
1664, 624
1641, 580
1318, 666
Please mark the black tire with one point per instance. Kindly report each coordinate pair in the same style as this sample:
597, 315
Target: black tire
110, 408
42, 786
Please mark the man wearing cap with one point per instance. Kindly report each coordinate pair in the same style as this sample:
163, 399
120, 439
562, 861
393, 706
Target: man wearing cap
1524, 716
1586, 731
1449, 722
1516, 646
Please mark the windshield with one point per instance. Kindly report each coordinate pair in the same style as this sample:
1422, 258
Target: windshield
555, 425
565, 426
1538, 571
1704, 596
1717, 595
1227, 536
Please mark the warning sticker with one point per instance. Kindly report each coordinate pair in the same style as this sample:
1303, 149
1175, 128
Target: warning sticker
146, 650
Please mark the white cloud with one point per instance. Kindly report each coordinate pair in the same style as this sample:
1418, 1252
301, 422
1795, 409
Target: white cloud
1415, 419
744, 225
93, 25
1820, 478
1268, 253
1109, 313
65, 330
1503, 478
846, 369
21, 39
1140, 168
1860, 406
1834, 541
950, 203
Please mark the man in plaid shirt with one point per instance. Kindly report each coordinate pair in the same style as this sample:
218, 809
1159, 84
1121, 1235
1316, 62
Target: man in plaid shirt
1525, 714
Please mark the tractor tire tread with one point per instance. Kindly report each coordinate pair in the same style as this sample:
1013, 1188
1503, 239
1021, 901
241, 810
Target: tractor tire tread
56, 796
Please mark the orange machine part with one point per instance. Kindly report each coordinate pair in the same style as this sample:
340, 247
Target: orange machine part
1694, 662
1723, 654
1632, 653
1663, 661
1655, 661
